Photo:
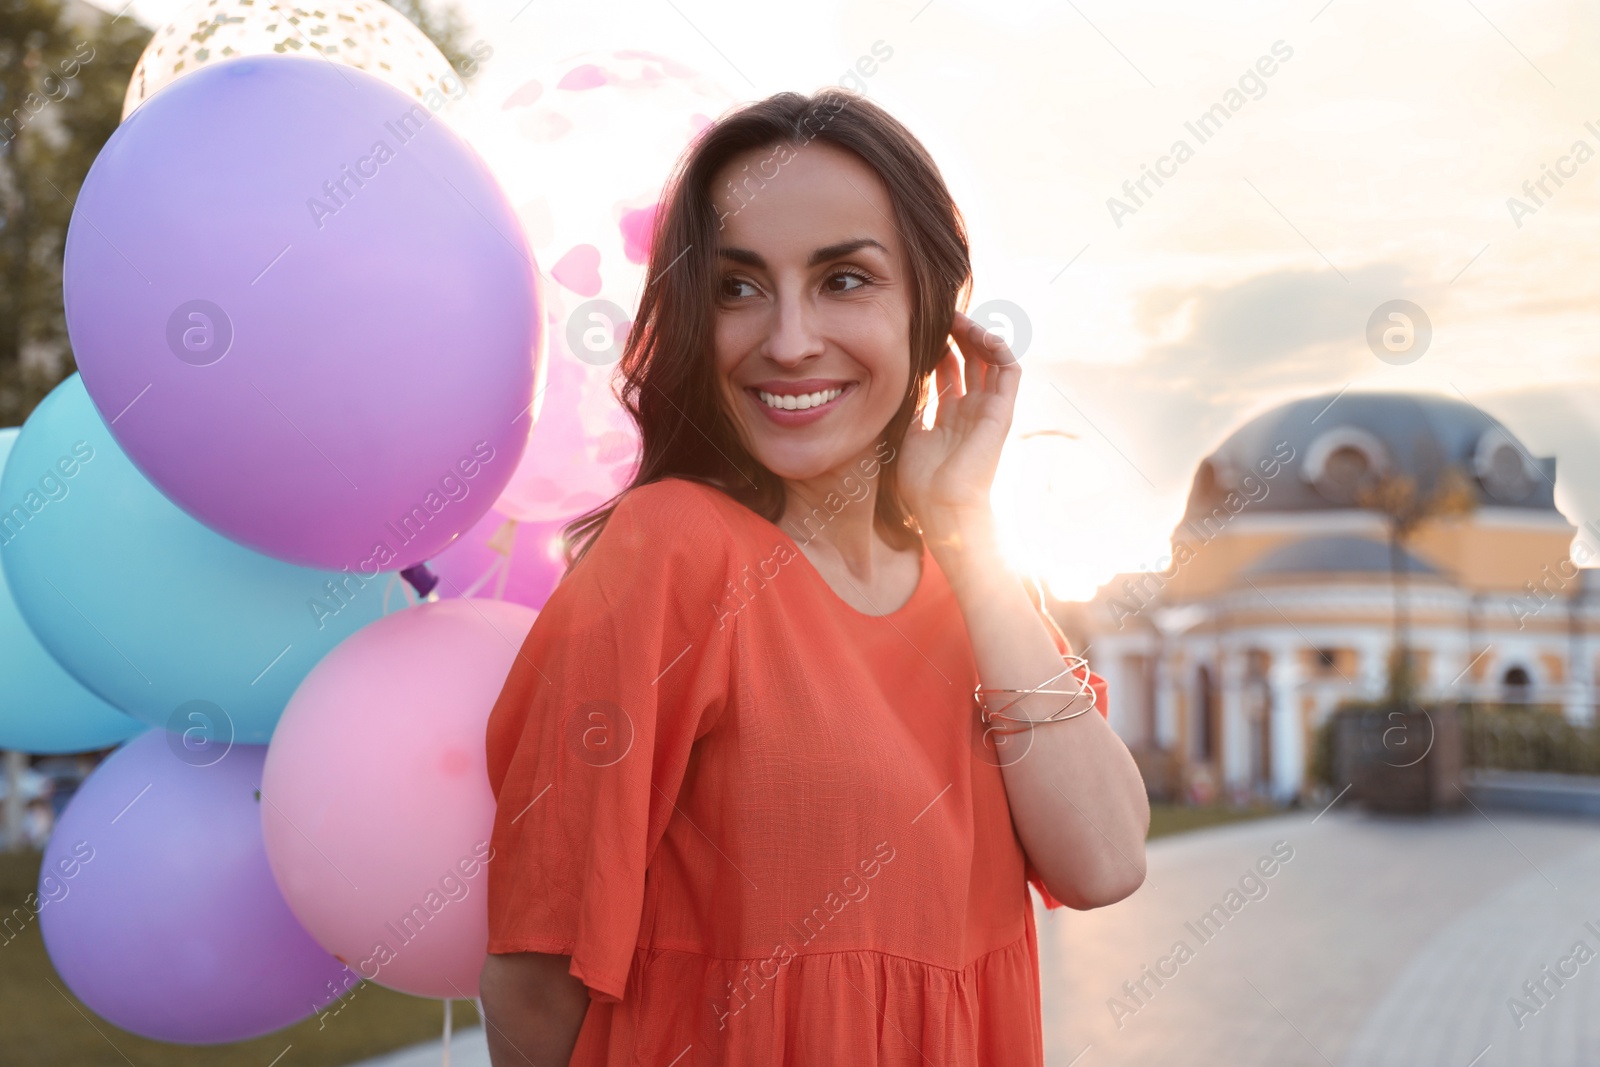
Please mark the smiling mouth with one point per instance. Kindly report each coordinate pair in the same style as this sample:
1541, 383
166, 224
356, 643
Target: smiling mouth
801, 402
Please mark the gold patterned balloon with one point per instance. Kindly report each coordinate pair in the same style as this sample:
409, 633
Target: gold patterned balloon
366, 34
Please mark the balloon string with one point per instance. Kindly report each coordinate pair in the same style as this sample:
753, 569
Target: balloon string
505, 573
405, 589
500, 569
494, 568
447, 1032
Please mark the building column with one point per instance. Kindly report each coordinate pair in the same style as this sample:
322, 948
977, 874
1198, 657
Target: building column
1374, 668
1288, 731
13, 810
1234, 744
1166, 709
1160, 709
1583, 688
1454, 655
1580, 692
1110, 666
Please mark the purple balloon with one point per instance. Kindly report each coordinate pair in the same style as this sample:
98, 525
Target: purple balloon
158, 907
502, 559
307, 312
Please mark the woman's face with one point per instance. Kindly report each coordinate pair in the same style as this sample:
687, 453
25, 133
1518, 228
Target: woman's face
813, 306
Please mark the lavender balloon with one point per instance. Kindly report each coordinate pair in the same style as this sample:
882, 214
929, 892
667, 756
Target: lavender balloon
158, 907
307, 312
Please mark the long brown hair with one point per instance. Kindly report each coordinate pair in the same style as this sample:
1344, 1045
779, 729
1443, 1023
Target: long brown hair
667, 374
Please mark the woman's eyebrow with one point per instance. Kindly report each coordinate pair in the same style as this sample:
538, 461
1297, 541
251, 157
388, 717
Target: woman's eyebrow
821, 255
843, 248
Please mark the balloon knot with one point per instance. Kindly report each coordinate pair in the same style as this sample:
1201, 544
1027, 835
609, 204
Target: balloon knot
421, 578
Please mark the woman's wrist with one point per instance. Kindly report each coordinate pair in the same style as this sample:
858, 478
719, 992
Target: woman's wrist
966, 545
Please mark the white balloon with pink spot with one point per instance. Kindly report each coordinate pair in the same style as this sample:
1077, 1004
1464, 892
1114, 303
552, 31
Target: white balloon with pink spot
583, 149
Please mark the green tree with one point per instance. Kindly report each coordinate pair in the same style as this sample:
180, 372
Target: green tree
1395, 496
63, 76
445, 28
62, 80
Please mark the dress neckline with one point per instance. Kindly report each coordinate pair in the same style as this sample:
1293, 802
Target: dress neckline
918, 593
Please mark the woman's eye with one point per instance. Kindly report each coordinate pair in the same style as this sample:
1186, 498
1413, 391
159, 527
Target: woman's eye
730, 287
848, 275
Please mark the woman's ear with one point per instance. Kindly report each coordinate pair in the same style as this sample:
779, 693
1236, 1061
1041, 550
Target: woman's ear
948, 371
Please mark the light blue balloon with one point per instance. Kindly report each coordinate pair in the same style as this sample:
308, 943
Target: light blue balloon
43, 709
174, 624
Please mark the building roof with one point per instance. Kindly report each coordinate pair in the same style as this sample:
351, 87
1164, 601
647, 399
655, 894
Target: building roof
1324, 555
1312, 454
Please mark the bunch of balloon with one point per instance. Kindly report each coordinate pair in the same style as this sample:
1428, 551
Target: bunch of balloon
156, 903
307, 357
122, 613
583, 149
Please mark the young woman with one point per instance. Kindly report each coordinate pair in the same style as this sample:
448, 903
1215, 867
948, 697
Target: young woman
748, 809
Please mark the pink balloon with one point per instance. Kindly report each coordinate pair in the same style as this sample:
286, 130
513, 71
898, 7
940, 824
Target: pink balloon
585, 149
582, 450
636, 232
502, 559
579, 270
376, 808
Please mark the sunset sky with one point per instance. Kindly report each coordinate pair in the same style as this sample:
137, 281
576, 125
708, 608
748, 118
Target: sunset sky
1374, 163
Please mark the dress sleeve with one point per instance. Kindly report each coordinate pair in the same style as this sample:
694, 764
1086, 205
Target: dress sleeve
1101, 695
589, 740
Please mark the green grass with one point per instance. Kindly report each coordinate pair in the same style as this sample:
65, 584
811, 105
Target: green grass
43, 1025
1167, 819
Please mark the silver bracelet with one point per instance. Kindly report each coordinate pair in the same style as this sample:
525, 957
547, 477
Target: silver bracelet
1074, 663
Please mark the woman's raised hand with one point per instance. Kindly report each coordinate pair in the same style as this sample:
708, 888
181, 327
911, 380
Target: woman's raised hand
947, 469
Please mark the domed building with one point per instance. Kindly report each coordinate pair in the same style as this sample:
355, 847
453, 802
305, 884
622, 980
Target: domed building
1280, 596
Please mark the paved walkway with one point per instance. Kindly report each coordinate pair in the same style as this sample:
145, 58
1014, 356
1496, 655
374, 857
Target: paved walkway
468, 1048
1380, 943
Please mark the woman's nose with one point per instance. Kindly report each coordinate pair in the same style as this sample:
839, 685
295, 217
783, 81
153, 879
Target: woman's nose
794, 335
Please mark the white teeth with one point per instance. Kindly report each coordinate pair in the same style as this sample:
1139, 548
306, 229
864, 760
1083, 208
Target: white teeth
798, 403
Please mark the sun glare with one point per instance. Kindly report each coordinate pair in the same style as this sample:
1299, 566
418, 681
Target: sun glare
1065, 518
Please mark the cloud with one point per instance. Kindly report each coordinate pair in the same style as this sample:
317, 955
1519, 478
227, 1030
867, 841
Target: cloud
1283, 326
1222, 352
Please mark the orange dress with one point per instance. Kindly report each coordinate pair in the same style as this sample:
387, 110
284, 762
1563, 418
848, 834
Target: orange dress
761, 822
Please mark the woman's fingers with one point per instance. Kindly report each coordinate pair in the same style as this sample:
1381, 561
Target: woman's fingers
974, 355
980, 345
987, 366
1004, 380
